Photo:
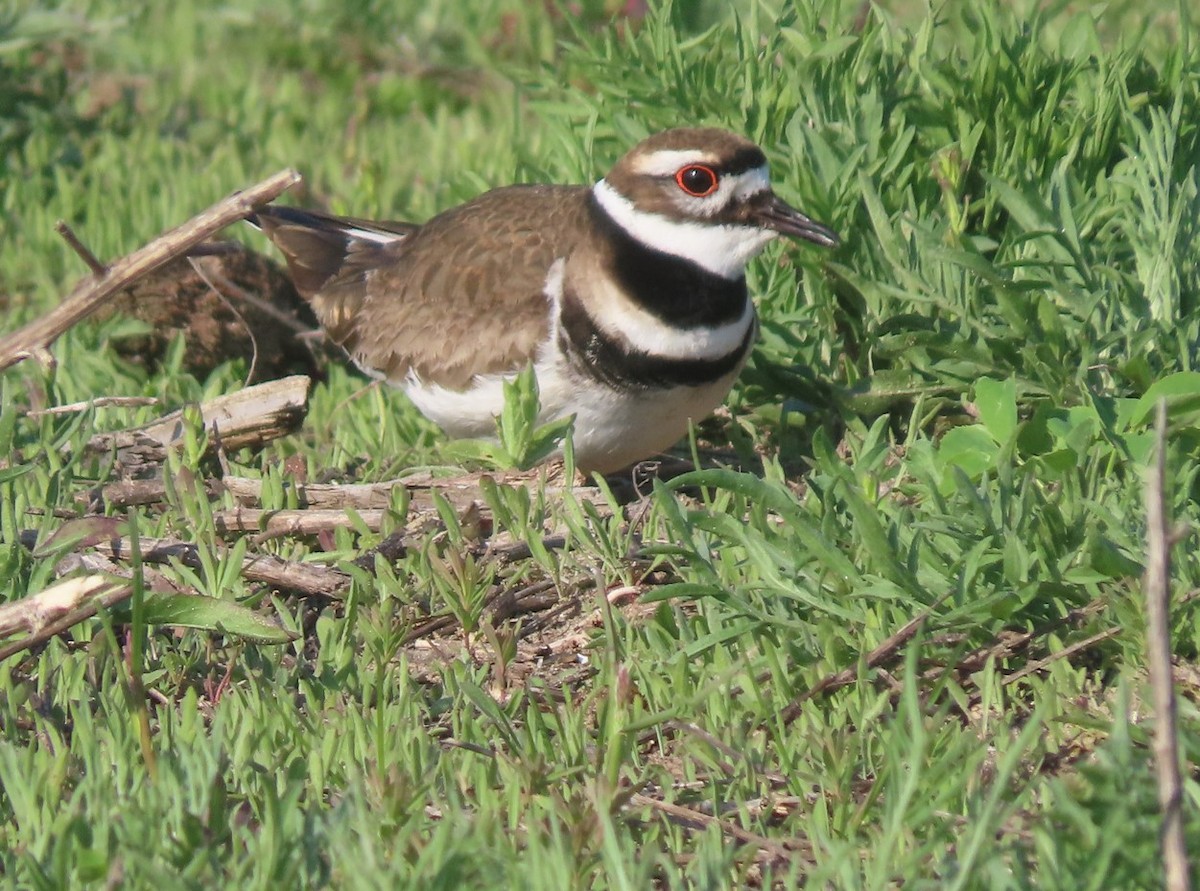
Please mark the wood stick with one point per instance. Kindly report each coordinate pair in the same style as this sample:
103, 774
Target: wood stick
104, 599
134, 493
1009, 643
1065, 653
303, 578
460, 491
357, 496
1158, 658
248, 418
313, 496
89, 404
84, 252
882, 653
38, 611
275, 523
87, 296
697, 820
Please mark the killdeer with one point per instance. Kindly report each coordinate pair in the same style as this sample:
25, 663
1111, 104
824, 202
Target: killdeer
628, 297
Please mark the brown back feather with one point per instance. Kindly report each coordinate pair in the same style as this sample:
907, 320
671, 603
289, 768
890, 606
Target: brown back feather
460, 296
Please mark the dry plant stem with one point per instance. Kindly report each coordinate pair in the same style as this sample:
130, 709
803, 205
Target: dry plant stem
248, 492
275, 523
695, 819
56, 609
302, 578
248, 418
1012, 642
69, 236
37, 611
1065, 653
98, 402
92, 292
882, 653
1158, 647
132, 493
500, 605
460, 491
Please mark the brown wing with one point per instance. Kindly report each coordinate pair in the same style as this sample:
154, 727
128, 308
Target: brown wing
459, 296
329, 258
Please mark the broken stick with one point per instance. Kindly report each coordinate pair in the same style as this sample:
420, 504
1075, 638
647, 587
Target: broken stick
248, 418
310, 579
86, 297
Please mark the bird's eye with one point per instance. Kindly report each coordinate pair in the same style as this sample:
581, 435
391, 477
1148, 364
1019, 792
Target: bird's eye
697, 180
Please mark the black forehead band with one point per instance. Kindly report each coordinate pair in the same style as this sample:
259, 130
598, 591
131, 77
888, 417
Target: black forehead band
749, 158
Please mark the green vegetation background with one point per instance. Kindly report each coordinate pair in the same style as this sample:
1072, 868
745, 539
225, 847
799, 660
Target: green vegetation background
951, 413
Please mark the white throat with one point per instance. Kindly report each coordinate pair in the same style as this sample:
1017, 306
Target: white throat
721, 249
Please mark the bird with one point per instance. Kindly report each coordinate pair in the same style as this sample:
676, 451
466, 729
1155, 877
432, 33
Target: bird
628, 297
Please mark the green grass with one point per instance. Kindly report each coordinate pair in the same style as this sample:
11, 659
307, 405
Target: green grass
947, 417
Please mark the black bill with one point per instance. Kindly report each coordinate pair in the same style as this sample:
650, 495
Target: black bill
772, 212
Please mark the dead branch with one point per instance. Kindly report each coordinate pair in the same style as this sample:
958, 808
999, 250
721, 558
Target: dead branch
97, 583
275, 523
460, 491
87, 296
1009, 643
325, 508
248, 418
37, 611
359, 496
136, 493
85, 254
881, 654
1158, 658
89, 404
59, 607
690, 818
1065, 653
303, 578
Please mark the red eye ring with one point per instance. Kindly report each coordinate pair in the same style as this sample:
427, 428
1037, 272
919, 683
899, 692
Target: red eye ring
698, 180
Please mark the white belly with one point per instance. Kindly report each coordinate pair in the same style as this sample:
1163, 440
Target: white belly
613, 428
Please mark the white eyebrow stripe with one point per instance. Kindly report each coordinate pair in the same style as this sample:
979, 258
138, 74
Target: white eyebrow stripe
665, 162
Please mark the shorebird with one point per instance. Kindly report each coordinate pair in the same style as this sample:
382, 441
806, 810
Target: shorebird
628, 297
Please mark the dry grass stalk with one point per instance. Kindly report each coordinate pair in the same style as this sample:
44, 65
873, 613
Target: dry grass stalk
90, 294
248, 418
1158, 657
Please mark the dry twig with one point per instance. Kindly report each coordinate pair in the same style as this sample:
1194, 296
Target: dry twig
460, 491
68, 234
1065, 653
36, 611
694, 819
881, 654
248, 418
290, 575
52, 611
35, 338
1009, 643
89, 404
1158, 657
276, 523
